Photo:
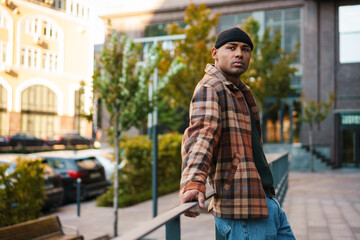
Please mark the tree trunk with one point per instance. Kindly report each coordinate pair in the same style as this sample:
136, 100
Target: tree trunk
116, 181
311, 148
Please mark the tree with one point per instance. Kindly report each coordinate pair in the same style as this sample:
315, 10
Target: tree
270, 69
121, 82
315, 112
195, 51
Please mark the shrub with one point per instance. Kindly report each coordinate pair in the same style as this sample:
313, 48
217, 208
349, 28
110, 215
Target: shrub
21, 192
135, 179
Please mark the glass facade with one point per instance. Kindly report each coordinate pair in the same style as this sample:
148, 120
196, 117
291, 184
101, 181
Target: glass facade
38, 111
281, 124
287, 21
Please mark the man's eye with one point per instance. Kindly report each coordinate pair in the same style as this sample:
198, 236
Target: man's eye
246, 50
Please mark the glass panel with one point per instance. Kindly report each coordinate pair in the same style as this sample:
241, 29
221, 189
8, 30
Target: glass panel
39, 102
226, 22
159, 29
272, 17
292, 36
349, 30
349, 47
292, 14
347, 146
230, 21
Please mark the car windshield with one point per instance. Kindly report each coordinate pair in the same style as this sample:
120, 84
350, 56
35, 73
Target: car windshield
87, 163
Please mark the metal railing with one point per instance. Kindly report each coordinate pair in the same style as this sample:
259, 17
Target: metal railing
279, 167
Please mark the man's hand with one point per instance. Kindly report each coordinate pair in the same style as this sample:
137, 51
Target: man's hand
190, 196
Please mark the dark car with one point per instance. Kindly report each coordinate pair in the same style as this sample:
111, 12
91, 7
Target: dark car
72, 167
52, 183
4, 141
20, 140
71, 138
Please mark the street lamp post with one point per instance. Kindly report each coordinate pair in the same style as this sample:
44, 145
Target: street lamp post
154, 115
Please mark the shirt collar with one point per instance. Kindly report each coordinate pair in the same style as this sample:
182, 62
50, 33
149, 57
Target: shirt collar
213, 71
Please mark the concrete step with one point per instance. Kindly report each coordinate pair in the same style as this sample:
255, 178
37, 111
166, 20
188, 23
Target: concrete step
299, 157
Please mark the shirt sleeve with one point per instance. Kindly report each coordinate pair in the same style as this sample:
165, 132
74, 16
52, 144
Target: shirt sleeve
200, 138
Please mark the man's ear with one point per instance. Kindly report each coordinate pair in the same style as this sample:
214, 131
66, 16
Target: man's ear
214, 53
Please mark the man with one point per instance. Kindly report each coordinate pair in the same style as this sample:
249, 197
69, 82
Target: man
223, 143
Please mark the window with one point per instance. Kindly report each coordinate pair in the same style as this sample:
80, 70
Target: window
49, 61
288, 22
3, 21
160, 29
78, 9
349, 34
30, 57
59, 4
3, 50
3, 111
40, 27
229, 21
38, 111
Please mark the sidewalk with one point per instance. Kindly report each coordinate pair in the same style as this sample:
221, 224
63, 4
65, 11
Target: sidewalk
321, 205
324, 205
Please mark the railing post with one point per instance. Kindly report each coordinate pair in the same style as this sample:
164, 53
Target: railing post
78, 195
173, 231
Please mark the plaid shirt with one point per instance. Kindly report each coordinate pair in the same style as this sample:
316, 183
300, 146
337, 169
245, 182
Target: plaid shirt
217, 144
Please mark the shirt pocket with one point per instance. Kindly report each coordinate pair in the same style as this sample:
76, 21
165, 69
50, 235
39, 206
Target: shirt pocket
245, 172
232, 170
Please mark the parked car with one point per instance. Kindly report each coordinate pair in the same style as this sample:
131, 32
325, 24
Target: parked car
54, 190
106, 157
4, 141
70, 138
21, 140
71, 167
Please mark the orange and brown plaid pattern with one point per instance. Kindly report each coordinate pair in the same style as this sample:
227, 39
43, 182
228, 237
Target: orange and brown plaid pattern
217, 145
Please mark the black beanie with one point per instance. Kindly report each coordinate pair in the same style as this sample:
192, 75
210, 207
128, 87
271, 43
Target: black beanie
234, 34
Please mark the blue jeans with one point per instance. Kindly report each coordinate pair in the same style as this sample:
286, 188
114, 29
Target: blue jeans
275, 227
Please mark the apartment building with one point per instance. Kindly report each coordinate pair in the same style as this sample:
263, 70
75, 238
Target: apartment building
46, 55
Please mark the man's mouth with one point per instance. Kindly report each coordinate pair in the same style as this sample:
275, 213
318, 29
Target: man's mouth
238, 64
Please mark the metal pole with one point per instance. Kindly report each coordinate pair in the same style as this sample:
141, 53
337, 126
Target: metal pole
155, 150
281, 119
291, 109
78, 195
155, 40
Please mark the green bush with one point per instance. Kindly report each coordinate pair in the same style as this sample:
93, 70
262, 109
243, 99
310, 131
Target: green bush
21, 192
135, 179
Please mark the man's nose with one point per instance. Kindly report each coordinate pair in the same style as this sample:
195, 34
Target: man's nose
238, 52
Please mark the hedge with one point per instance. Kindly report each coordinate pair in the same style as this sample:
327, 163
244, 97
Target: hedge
22, 192
135, 179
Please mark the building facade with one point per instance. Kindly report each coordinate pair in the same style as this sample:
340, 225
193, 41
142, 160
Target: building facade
46, 56
328, 60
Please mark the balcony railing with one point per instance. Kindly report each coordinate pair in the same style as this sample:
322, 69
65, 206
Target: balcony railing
279, 166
